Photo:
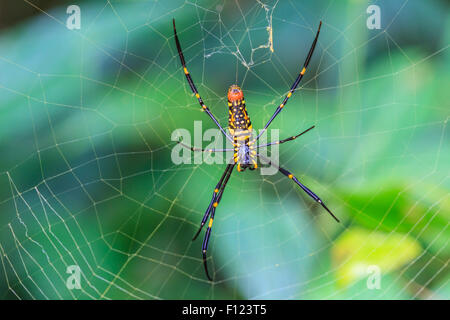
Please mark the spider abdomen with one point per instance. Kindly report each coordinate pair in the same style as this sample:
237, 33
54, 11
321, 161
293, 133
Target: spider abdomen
238, 118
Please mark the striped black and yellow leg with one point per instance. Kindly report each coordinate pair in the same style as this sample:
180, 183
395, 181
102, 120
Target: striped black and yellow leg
286, 140
204, 150
192, 85
213, 200
211, 219
304, 188
296, 82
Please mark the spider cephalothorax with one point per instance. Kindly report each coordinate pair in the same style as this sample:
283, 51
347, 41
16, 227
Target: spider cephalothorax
244, 145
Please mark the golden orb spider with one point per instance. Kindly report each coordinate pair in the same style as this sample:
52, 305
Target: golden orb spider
245, 152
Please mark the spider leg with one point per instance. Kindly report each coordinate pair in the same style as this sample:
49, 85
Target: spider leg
204, 150
296, 82
214, 196
213, 212
304, 188
286, 140
192, 85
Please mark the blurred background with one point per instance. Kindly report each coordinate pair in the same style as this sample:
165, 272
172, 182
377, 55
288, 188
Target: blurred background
86, 177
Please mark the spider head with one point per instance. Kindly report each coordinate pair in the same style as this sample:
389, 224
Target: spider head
235, 93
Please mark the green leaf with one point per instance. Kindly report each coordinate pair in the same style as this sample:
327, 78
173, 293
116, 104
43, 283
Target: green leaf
358, 248
421, 210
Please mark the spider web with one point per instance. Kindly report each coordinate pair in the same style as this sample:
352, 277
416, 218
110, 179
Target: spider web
87, 178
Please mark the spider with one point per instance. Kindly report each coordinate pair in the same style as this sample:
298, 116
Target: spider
245, 152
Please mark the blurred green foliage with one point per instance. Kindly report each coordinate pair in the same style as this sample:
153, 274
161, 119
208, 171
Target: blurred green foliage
86, 177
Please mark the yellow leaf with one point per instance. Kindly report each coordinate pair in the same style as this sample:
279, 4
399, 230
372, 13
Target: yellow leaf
358, 249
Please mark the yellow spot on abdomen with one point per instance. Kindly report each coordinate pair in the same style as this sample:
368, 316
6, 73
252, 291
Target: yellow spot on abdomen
303, 71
